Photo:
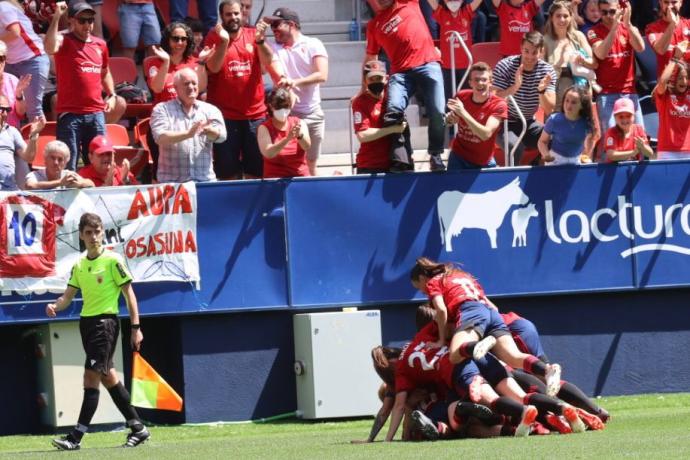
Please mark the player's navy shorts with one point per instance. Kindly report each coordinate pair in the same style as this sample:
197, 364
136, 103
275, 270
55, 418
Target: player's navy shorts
484, 320
99, 338
492, 370
463, 374
526, 338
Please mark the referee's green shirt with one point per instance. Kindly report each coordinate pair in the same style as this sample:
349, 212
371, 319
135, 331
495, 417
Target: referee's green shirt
100, 281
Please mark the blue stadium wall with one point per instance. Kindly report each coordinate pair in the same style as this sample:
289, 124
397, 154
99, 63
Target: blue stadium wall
597, 257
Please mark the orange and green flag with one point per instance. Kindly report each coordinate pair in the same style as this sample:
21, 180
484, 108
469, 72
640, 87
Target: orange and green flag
150, 390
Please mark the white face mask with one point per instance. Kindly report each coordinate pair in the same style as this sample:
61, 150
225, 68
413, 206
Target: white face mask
453, 6
281, 114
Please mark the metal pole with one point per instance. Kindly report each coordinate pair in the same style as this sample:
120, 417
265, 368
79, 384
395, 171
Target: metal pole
358, 16
511, 156
456, 37
352, 141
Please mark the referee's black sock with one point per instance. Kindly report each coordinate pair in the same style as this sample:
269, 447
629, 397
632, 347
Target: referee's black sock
571, 394
120, 397
88, 408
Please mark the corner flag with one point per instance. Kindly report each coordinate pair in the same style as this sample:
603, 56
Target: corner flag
149, 390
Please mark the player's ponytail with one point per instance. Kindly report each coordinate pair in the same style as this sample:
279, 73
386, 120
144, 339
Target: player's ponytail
427, 267
382, 356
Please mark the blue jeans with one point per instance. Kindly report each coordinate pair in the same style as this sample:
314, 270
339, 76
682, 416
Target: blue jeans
426, 79
77, 131
138, 20
38, 67
455, 163
208, 12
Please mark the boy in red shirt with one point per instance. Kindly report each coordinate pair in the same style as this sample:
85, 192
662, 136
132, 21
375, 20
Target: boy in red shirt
515, 18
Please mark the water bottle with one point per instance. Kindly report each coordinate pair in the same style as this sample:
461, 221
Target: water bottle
354, 30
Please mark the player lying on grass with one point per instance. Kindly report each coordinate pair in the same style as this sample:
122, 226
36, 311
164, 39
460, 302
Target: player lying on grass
474, 325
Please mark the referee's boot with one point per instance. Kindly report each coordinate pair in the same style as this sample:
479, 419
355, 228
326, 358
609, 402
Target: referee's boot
137, 437
66, 443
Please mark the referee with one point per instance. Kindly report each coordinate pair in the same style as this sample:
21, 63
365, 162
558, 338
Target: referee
101, 276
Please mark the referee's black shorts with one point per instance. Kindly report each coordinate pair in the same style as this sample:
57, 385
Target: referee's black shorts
99, 338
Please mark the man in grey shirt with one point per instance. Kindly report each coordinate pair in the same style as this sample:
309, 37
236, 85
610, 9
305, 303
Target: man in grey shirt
185, 130
11, 144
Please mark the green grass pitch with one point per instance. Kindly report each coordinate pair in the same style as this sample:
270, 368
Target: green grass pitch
648, 427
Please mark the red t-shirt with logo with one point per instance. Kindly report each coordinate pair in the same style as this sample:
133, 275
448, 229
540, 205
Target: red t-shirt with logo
615, 140
238, 88
468, 145
616, 73
403, 34
367, 112
461, 23
515, 22
79, 67
681, 33
27, 236
674, 121
89, 172
421, 367
456, 288
151, 69
292, 160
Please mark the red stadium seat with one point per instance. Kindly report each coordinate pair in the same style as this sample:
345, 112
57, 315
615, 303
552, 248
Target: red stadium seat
117, 134
123, 69
486, 52
48, 134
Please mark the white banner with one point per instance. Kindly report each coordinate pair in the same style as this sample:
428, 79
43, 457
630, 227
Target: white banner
153, 227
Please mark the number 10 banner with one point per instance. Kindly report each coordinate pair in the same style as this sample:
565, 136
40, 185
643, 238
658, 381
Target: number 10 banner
152, 227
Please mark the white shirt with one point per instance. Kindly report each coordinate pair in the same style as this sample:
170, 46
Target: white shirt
28, 45
298, 62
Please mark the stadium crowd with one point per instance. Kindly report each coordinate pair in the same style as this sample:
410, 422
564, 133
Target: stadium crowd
564, 72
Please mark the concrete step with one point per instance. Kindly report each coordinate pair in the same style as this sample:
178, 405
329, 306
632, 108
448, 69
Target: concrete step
339, 163
339, 92
311, 10
345, 63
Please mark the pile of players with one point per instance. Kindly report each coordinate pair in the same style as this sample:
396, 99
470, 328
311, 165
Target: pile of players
485, 375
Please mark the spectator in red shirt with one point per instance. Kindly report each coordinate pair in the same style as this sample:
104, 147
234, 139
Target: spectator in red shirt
399, 28
626, 140
102, 170
367, 111
515, 18
240, 55
81, 66
283, 139
454, 16
673, 103
614, 42
667, 32
478, 114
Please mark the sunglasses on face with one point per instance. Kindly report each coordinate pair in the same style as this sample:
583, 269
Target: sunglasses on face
276, 24
611, 12
2, 59
179, 38
4, 109
83, 21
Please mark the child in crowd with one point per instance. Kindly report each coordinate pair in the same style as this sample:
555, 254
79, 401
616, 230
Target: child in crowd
627, 140
515, 18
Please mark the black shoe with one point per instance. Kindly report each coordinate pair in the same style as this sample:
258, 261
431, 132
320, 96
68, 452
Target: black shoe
471, 409
425, 425
137, 437
436, 163
66, 443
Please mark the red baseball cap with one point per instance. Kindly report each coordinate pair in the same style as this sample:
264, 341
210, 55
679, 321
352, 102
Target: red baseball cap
100, 144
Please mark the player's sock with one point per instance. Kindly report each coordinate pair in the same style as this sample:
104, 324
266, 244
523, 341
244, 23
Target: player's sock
507, 430
544, 403
120, 397
534, 365
88, 407
507, 406
466, 349
571, 394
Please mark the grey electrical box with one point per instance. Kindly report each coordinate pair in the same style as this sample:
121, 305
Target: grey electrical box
333, 367
61, 377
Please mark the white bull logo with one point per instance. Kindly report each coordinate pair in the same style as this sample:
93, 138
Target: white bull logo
458, 211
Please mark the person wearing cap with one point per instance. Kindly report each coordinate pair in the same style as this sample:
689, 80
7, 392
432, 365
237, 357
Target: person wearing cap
12, 145
479, 114
81, 67
102, 170
672, 100
304, 61
54, 175
400, 30
185, 130
626, 140
25, 57
241, 52
367, 112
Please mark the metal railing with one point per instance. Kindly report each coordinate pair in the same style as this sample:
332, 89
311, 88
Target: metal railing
456, 37
510, 156
351, 130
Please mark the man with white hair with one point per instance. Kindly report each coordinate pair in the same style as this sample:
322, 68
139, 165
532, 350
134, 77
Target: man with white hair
55, 155
185, 130
11, 144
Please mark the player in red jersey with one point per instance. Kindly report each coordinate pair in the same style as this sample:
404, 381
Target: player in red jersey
475, 324
515, 18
